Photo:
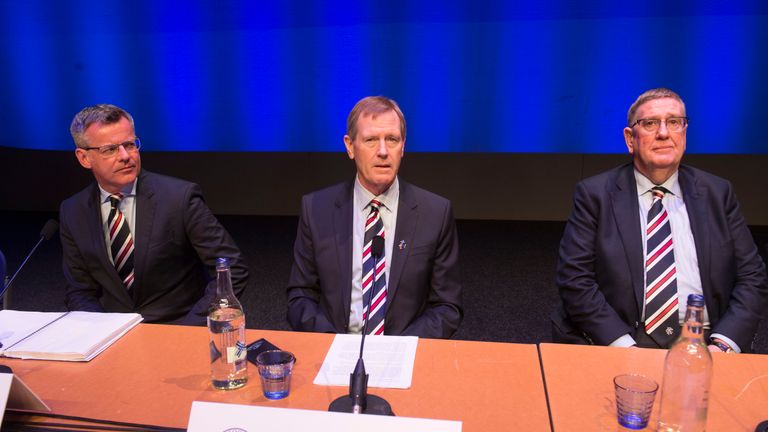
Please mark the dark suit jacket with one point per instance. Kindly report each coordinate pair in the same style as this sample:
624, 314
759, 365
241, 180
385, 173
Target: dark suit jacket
600, 271
177, 241
424, 291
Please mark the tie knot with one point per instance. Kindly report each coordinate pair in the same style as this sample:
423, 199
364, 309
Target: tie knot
658, 192
115, 199
375, 204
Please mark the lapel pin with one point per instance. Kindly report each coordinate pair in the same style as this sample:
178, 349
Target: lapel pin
402, 245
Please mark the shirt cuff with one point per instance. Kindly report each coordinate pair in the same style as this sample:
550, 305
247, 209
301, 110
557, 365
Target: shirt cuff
624, 341
726, 340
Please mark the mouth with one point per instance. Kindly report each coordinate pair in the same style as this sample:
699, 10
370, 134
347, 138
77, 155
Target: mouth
126, 169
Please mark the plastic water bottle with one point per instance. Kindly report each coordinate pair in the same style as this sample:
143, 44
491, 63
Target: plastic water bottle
226, 325
687, 375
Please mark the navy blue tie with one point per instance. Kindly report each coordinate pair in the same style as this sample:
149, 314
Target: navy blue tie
374, 226
661, 300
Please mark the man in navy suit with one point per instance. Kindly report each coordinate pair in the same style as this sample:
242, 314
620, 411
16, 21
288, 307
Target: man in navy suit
136, 241
423, 291
608, 278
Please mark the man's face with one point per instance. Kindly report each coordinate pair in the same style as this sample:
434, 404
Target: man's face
377, 150
659, 150
115, 172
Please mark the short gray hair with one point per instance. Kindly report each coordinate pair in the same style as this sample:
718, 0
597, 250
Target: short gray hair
373, 106
657, 93
101, 113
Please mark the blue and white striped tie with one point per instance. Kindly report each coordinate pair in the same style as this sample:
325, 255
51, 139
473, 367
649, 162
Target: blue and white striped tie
374, 226
661, 301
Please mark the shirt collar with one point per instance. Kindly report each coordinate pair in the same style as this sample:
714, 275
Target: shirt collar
387, 199
644, 185
128, 190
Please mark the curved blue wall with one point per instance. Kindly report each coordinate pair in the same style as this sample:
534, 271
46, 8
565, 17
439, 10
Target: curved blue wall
470, 77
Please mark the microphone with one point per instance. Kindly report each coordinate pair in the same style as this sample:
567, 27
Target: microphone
358, 401
49, 229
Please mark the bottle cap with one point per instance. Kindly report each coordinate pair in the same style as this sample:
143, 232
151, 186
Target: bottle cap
222, 262
696, 300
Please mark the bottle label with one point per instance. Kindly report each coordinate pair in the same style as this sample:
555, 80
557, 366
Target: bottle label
237, 352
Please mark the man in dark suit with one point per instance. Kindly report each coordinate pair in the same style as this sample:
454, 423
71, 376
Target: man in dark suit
654, 228
136, 241
417, 290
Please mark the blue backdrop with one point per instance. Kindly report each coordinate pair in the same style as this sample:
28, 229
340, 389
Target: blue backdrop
471, 76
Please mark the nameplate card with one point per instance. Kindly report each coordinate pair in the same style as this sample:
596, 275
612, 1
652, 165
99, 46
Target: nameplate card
15, 395
218, 417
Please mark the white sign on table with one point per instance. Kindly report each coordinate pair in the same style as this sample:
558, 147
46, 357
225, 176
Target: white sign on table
14, 394
214, 417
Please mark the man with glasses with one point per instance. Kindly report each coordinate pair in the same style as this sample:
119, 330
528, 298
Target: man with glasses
643, 236
136, 241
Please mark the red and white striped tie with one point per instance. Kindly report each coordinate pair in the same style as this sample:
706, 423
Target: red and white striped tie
661, 301
374, 226
120, 242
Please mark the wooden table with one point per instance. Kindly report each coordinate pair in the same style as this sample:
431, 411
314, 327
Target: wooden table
153, 374
579, 381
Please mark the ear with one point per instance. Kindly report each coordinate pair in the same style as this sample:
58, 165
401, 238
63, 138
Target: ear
349, 146
402, 150
628, 135
82, 157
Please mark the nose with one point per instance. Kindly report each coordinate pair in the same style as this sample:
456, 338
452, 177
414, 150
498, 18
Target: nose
122, 153
382, 149
663, 132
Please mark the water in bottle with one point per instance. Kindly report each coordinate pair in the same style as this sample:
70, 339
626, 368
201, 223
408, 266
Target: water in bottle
687, 375
226, 325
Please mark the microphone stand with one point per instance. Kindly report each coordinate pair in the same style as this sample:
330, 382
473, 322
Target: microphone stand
10, 281
358, 401
49, 229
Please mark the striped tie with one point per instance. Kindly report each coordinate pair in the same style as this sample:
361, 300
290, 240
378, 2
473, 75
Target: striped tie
661, 303
120, 241
373, 227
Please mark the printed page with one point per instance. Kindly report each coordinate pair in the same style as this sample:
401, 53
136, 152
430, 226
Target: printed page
79, 336
16, 325
388, 360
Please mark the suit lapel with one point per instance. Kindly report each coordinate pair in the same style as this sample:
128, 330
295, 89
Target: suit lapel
342, 223
407, 219
698, 215
145, 215
95, 228
626, 212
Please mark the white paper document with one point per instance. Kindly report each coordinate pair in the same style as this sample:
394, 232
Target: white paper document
208, 416
388, 360
70, 336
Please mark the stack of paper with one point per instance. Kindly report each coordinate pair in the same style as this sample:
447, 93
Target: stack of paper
388, 360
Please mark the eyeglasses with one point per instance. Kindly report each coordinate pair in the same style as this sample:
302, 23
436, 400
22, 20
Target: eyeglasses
674, 124
111, 150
